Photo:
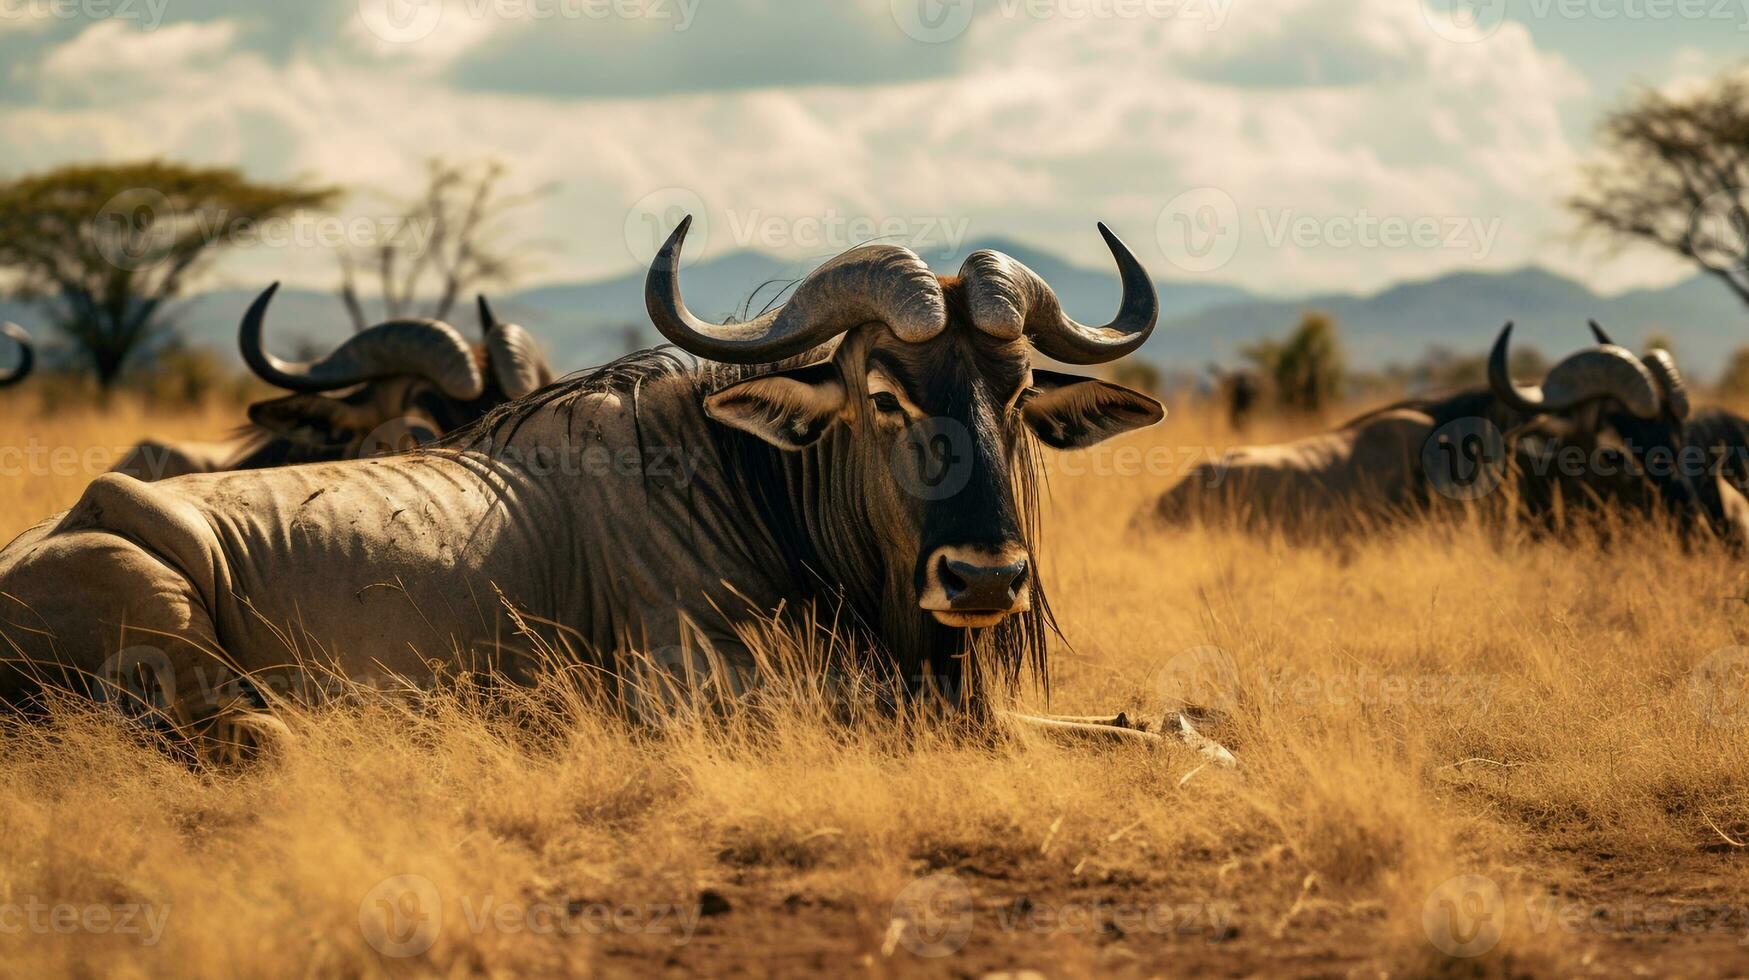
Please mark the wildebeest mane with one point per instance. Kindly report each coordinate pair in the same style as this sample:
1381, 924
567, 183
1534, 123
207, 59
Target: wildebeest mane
924, 653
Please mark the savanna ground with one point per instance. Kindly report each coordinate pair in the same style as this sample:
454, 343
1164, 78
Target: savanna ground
1450, 744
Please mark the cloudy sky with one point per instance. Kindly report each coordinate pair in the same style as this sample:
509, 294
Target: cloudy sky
1284, 145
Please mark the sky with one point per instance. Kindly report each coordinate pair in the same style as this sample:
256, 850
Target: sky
1288, 146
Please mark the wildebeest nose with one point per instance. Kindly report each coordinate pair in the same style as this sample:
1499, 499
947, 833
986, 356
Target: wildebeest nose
970, 586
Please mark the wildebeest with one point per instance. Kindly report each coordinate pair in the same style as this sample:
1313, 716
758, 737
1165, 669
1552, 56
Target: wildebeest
1604, 427
389, 387
26, 354
866, 450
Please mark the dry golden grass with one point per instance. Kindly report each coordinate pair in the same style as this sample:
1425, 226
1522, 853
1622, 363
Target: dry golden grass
1558, 720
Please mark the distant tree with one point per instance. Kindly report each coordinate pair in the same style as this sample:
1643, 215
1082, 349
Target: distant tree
1675, 173
1658, 338
444, 245
1138, 374
1734, 383
104, 247
1441, 368
1305, 370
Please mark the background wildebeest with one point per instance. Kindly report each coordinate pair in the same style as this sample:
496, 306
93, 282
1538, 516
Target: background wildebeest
867, 450
396, 385
26, 354
1604, 428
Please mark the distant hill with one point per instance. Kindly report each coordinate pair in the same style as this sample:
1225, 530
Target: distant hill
1463, 311
585, 323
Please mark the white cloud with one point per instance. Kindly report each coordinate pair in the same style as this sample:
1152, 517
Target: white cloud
1047, 126
117, 47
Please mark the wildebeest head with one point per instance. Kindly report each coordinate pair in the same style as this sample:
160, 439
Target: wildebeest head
390, 387
917, 430
1620, 418
26, 354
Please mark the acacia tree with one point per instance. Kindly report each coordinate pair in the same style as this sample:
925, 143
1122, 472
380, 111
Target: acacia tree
1675, 173
104, 247
1305, 370
446, 243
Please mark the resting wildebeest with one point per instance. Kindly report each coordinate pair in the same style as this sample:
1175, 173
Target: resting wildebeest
1604, 428
400, 384
866, 451
26, 354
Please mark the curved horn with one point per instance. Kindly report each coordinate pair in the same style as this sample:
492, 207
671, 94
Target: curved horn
1598, 332
1602, 371
1670, 384
1008, 299
488, 319
871, 284
1500, 377
26, 354
512, 355
430, 348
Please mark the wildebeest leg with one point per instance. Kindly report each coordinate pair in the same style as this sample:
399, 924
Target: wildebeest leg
1118, 728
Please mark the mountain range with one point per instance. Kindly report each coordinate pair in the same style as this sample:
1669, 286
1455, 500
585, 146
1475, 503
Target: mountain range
589, 322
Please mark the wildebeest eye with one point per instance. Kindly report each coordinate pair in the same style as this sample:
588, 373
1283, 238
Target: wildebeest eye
887, 403
1026, 394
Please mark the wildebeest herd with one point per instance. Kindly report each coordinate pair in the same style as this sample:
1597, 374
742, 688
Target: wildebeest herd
867, 452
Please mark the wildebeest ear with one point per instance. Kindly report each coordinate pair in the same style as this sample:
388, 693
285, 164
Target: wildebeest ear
1072, 412
309, 418
789, 409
